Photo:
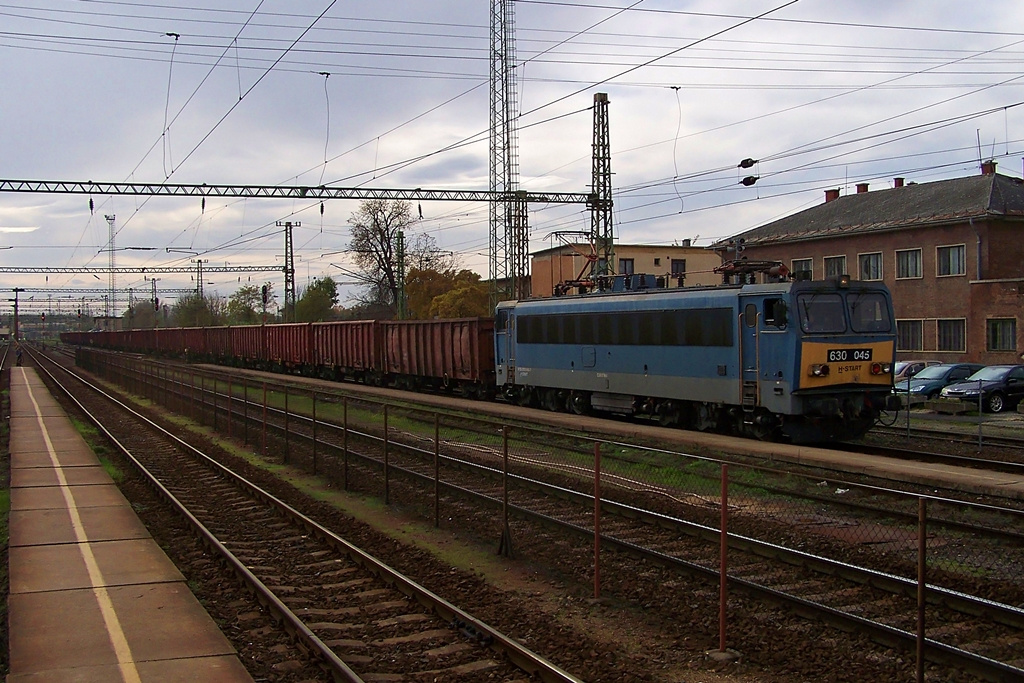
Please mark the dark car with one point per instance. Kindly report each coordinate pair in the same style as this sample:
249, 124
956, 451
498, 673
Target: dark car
927, 383
1001, 387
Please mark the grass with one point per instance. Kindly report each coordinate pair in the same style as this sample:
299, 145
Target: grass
98, 445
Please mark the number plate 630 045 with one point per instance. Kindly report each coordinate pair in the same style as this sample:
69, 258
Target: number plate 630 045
845, 355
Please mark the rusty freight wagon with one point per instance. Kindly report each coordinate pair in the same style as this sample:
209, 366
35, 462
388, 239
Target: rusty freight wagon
289, 346
350, 349
455, 355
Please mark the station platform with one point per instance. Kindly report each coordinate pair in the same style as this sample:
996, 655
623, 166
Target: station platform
92, 596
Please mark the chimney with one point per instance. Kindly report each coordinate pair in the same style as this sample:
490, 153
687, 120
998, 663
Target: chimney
862, 188
897, 182
831, 195
988, 167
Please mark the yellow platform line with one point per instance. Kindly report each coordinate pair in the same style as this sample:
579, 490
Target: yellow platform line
125, 661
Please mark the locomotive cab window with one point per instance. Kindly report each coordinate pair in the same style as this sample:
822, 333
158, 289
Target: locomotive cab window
501, 320
869, 312
821, 313
775, 312
750, 315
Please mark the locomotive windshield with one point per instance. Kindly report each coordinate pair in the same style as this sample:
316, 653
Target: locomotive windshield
825, 313
821, 313
869, 312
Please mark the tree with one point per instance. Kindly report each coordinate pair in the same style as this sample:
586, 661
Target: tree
374, 245
142, 315
245, 306
469, 297
375, 248
199, 311
317, 301
422, 287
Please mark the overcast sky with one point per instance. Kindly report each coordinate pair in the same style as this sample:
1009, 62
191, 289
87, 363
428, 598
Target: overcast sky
824, 93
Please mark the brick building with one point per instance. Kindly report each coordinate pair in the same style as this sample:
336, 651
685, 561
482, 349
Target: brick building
951, 252
559, 264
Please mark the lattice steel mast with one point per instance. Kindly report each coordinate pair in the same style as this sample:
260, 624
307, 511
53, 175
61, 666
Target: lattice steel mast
509, 232
601, 206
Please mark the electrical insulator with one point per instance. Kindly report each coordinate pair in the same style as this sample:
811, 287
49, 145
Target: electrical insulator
746, 163
749, 180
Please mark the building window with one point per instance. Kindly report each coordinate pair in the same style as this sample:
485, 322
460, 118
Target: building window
870, 266
657, 261
802, 265
908, 264
951, 260
835, 266
952, 335
909, 335
678, 266
1002, 334
626, 266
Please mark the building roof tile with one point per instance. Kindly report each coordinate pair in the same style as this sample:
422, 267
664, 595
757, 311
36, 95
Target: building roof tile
910, 206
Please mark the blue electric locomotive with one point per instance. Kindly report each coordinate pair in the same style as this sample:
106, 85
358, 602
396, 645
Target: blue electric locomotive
802, 361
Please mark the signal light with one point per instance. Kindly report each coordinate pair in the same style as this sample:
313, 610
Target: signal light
42, 316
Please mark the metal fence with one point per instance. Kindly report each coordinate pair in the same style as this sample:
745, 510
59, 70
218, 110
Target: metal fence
502, 481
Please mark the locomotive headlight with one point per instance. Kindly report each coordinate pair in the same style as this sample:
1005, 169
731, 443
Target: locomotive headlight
818, 370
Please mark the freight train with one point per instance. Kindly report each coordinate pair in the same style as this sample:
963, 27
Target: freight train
801, 361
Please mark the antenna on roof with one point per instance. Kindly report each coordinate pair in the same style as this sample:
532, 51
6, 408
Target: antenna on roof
978, 133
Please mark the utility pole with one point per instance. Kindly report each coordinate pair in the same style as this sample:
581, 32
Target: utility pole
199, 275
601, 206
400, 275
289, 269
112, 277
15, 330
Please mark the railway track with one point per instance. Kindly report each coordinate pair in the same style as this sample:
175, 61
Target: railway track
993, 435
359, 618
981, 635
1012, 465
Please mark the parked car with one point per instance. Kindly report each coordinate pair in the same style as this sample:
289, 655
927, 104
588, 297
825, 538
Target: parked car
905, 369
1001, 387
927, 383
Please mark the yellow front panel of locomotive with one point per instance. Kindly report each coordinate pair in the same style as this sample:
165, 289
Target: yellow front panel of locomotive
848, 363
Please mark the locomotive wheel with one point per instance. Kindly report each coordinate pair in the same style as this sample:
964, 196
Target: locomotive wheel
552, 401
668, 414
579, 403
